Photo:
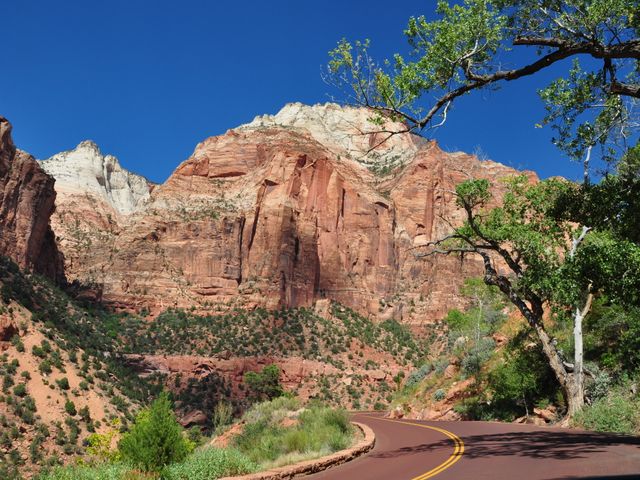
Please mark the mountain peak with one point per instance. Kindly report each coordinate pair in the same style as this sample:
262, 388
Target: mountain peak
348, 132
85, 169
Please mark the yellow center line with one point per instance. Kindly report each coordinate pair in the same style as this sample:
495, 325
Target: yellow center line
458, 449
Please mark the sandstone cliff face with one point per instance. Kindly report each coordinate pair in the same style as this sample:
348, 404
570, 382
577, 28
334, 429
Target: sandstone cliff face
27, 200
276, 214
347, 132
94, 193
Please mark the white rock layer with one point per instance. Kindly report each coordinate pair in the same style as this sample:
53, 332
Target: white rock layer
348, 131
86, 170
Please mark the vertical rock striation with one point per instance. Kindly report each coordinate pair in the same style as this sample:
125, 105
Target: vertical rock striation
282, 212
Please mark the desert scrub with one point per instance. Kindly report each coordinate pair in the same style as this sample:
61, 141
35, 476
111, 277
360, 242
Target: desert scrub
97, 472
209, 464
280, 432
614, 413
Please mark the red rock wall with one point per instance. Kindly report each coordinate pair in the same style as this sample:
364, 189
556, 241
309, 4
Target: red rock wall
27, 200
270, 217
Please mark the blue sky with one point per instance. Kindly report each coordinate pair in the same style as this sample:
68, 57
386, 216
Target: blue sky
148, 80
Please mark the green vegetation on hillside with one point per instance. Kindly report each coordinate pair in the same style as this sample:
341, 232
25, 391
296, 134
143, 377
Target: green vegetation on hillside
277, 432
94, 343
72, 342
292, 332
512, 380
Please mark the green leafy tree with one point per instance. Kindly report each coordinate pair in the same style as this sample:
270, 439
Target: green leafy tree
463, 47
156, 439
264, 385
540, 262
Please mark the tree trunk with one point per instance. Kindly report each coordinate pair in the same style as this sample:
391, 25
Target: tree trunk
574, 395
573, 391
577, 387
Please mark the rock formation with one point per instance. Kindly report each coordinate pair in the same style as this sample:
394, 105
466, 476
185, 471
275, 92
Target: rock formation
282, 212
94, 192
86, 171
27, 200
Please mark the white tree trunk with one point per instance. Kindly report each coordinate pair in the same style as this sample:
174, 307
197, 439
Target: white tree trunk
575, 390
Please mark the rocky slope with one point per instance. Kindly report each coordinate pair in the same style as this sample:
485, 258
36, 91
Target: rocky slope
282, 212
58, 385
27, 200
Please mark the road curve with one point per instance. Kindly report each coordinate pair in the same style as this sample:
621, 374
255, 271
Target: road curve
418, 450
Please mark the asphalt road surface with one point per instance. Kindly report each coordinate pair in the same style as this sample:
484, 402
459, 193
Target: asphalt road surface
418, 450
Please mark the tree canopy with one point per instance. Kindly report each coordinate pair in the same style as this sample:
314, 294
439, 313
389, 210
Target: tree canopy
467, 45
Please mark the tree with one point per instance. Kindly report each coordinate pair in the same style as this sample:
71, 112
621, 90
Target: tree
264, 385
541, 263
156, 439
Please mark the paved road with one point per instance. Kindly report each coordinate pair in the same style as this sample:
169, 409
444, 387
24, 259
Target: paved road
418, 450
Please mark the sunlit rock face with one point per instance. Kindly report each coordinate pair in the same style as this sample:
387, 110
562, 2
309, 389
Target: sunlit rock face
282, 212
85, 170
347, 132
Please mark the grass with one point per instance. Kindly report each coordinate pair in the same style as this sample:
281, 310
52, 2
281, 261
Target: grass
311, 432
210, 463
95, 472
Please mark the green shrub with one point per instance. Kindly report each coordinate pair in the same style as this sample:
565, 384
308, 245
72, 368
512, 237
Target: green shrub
222, 415
264, 385
20, 390
614, 413
476, 357
209, 464
156, 439
70, 408
439, 394
45, 367
16, 341
417, 376
63, 383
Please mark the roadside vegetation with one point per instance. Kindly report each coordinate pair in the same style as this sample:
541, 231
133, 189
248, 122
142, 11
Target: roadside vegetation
75, 350
487, 366
272, 433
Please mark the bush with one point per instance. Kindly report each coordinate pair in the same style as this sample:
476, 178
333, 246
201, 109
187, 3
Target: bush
473, 361
70, 408
209, 464
20, 390
17, 342
614, 413
417, 376
439, 395
156, 439
45, 367
63, 383
264, 385
222, 415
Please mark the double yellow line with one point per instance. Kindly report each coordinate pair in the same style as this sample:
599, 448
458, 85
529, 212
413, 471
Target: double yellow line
458, 449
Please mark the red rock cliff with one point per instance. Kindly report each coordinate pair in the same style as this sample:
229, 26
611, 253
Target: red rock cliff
281, 213
27, 199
